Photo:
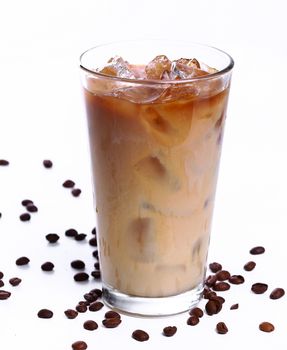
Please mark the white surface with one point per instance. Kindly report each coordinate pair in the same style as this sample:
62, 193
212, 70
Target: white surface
41, 116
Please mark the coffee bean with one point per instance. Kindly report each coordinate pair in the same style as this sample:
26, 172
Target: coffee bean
222, 275
259, 288
221, 286
211, 280
111, 322
221, 328
1, 275
213, 307
97, 291
52, 237
79, 345
80, 236
81, 277
76, 192
93, 242
96, 306
47, 163
90, 297
266, 327
90, 325
22, 261
71, 232
236, 279
218, 298
140, 335
25, 217
1, 284
15, 281
4, 295
4, 162
112, 314
277, 293
96, 254
257, 250
71, 314
84, 302
68, 184
47, 266
169, 331
25, 202
97, 265
81, 308
94, 231
234, 307
207, 293
31, 208
249, 266
215, 267
196, 311
96, 274
192, 320
78, 264
45, 313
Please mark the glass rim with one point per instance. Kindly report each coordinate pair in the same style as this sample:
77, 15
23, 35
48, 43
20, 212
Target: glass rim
219, 73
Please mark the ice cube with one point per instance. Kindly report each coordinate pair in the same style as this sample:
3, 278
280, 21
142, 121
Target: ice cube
152, 168
158, 67
140, 93
185, 68
117, 67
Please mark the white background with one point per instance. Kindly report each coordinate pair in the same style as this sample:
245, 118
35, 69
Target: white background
42, 116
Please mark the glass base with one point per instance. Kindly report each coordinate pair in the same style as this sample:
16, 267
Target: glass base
144, 306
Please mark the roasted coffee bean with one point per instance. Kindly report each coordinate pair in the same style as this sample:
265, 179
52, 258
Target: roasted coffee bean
196, 311
215, 267
15, 281
1, 275
213, 307
257, 250
4, 294
96, 274
112, 314
97, 291
4, 162
81, 277
81, 308
111, 322
45, 313
31, 208
78, 264
222, 275
140, 335
277, 293
96, 254
221, 328
192, 320
93, 242
25, 202
266, 327
1, 284
207, 293
71, 314
90, 297
221, 286
236, 279
211, 280
218, 298
90, 325
79, 345
97, 265
76, 192
234, 307
22, 261
47, 266
52, 237
71, 232
96, 306
84, 302
259, 288
80, 236
25, 217
249, 266
47, 163
68, 184
94, 231
169, 331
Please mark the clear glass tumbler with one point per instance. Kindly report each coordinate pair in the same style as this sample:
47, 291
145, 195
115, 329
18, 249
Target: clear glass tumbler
155, 150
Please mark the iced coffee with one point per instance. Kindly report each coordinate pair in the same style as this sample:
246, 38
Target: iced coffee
155, 133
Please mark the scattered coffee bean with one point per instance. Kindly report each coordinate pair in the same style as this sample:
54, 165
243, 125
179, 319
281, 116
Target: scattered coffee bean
81, 277
1, 284
111, 322
68, 184
249, 266
52, 237
221, 286
84, 302
22, 261
97, 291
4, 162
78, 264
259, 288
213, 307
207, 293
94, 231
31, 208
25, 217
234, 307
81, 308
47, 266
15, 281
96, 254
80, 236
79, 345
257, 250
25, 202
93, 242
71, 314
266, 327
96, 274
1, 275
277, 293
218, 298
196, 311
97, 265
96, 306
90, 325
169, 331
221, 328
76, 192
4, 294
47, 163
215, 267
192, 320
71, 232
112, 314
211, 280
140, 335
222, 275
90, 297
236, 279
45, 313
